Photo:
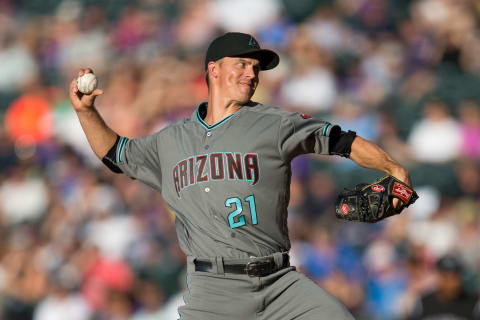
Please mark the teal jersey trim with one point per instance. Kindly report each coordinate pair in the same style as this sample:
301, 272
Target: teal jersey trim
325, 130
123, 141
213, 126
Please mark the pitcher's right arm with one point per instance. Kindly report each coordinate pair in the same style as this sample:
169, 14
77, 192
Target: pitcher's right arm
100, 137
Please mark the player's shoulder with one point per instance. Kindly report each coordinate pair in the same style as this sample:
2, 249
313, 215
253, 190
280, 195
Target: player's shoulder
257, 107
172, 127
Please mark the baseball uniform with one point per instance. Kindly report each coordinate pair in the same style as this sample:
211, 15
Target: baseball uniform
228, 184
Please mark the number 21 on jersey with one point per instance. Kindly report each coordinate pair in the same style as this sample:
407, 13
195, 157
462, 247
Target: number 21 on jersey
236, 204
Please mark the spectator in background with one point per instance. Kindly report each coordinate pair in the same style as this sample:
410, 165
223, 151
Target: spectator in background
386, 280
468, 177
382, 68
439, 233
321, 193
118, 306
151, 300
83, 33
23, 197
389, 138
469, 113
63, 298
260, 13
350, 113
420, 280
18, 66
310, 87
436, 138
449, 300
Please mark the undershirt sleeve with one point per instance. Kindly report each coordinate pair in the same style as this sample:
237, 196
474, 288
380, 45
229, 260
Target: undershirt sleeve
109, 158
340, 143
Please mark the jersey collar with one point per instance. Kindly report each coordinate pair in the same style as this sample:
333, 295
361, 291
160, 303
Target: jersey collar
201, 112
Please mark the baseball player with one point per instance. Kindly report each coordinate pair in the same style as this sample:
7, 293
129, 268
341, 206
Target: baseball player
226, 172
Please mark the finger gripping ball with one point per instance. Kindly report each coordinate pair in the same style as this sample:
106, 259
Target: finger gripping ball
87, 83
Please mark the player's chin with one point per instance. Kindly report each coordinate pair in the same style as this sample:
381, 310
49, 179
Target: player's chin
245, 95
244, 99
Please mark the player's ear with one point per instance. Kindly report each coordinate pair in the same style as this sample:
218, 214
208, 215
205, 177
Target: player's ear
213, 69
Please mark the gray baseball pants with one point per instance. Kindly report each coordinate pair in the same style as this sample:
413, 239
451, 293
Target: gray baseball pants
283, 295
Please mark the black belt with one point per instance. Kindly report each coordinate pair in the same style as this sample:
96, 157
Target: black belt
257, 268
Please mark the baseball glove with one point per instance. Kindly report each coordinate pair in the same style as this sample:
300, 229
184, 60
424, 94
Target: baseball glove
373, 202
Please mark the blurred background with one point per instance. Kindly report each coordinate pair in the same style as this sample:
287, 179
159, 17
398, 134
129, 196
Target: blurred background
81, 243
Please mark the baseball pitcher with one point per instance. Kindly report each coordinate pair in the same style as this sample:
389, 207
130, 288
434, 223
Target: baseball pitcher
225, 171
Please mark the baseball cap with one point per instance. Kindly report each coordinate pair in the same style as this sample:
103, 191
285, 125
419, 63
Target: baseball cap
236, 44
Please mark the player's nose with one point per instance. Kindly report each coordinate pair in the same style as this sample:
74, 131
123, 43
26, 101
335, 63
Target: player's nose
250, 72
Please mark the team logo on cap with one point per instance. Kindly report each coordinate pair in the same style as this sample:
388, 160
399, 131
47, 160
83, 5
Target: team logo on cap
345, 208
253, 43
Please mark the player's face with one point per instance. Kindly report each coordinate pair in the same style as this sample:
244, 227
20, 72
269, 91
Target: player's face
239, 77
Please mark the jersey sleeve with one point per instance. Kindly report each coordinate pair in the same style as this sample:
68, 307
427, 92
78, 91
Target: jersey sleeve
301, 134
137, 158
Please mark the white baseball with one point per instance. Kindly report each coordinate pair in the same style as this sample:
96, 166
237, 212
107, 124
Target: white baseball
87, 83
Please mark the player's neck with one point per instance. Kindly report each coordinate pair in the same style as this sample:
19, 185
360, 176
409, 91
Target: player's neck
219, 109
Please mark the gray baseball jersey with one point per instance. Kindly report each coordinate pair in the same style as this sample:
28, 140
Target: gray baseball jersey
228, 183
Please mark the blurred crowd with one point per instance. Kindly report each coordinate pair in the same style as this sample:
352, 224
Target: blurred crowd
81, 243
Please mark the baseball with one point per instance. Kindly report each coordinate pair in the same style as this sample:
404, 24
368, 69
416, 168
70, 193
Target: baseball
87, 83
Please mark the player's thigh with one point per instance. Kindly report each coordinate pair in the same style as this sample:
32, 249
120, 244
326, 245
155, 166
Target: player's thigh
212, 297
294, 296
